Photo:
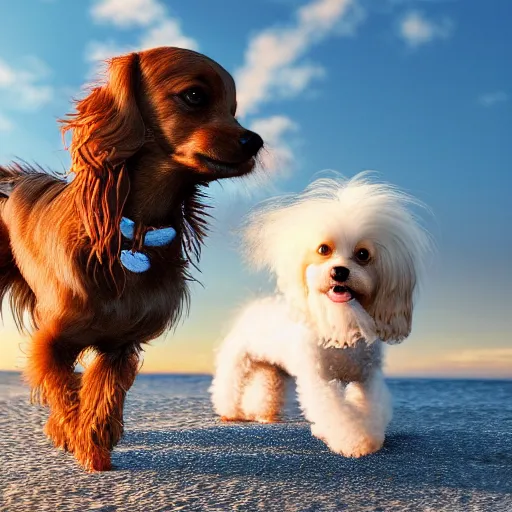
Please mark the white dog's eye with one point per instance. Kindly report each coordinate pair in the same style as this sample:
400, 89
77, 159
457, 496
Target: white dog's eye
362, 255
324, 250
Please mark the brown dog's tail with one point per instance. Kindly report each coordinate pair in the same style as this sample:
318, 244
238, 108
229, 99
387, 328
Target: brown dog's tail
21, 298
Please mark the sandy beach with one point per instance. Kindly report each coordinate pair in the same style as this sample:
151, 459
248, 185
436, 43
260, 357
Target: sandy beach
449, 447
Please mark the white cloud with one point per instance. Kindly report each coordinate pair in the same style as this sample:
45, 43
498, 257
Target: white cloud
24, 88
167, 33
277, 156
270, 69
464, 361
416, 29
291, 81
5, 124
97, 52
275, 161
160, 29
7, 75
127, 13
33, 97
492, 98
489, 356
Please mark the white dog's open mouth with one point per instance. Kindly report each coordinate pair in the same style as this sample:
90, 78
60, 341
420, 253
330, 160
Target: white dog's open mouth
339, 293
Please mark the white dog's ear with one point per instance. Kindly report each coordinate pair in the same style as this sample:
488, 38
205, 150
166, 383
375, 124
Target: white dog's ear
393, 305
402, 252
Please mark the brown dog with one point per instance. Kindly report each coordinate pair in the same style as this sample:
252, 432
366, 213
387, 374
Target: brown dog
142, 147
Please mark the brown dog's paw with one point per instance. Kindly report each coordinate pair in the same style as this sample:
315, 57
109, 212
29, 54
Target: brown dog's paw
94, 459
100, 462
58, 432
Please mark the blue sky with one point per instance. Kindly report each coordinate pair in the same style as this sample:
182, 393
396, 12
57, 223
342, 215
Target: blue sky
419, 91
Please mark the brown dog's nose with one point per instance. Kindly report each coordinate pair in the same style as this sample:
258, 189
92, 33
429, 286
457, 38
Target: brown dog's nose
340, 274
251, 143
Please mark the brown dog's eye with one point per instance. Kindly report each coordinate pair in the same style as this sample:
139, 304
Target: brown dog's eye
362, 255
324, 250
194, 97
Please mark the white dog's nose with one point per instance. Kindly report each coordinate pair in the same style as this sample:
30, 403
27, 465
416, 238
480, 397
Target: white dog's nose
340, 274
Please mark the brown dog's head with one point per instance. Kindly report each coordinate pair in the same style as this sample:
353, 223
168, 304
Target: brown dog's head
183, 100
191, 101
176, 104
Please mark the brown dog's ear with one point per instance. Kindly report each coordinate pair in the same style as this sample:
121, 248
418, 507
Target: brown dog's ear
107, 129
107, 124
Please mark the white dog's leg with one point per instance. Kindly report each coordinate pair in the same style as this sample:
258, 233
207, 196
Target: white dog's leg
263, 395
373, 400
233, 370
338, 422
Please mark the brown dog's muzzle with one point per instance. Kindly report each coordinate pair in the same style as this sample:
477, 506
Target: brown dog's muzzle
220, 152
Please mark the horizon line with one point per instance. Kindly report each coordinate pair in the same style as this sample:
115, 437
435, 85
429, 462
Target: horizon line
398, 377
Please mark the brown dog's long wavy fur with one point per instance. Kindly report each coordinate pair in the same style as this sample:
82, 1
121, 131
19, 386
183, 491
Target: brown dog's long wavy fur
143, 146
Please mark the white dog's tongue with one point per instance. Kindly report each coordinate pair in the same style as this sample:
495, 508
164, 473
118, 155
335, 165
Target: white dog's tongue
339, 294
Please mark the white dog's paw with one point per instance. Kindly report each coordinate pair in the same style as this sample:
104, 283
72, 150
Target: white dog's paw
355, 445
229, 414
317, 432
264, 418
364, 445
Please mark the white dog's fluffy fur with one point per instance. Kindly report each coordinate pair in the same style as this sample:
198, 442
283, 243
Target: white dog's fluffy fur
325, 327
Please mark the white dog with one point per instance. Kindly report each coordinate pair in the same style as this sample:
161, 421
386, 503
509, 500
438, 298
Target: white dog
347, 255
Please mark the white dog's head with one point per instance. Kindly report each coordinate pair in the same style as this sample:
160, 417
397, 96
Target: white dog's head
347, 253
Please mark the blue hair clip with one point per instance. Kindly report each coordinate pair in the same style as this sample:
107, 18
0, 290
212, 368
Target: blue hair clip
127, 228
137, 261
159, 237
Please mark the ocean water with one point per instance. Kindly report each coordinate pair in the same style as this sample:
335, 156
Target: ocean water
449, 447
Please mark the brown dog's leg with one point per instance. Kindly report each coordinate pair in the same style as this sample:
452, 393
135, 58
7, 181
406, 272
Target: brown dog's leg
104, 386
50, 372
